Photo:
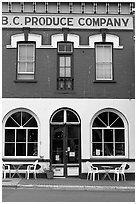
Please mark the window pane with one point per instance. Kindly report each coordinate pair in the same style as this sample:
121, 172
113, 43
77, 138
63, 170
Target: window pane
112, 118
11, 123
25, 117
119, 135
9, 149
17, 117
108, 135
9, 135
20, 149
31, 123
32, 149
108, 149
22, 66
22, 53
104, 118
62, 72
68, 47
97, 149
61, 84
107, 54
32, 135
62, 61
68, 72
118, 123
58, 117
30, 52
99, 71
68, 62
98, 123
99, 53
21, 135
57, 155
96, 135
61, 47
119, 149
71, 117
69, 84
30, 67
107, 71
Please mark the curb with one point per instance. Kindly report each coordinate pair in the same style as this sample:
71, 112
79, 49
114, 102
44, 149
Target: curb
70, 187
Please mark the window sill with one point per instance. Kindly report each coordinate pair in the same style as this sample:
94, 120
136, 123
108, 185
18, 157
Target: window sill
65, 92
104, 81
25, 81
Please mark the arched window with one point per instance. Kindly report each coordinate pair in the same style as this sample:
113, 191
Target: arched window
21, 134
65, 116
109, 134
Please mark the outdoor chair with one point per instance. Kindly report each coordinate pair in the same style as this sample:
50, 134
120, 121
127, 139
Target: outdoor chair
92, 171
31, 169
120, 171
5, 170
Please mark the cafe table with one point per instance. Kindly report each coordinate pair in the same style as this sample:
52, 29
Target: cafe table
17, 166
107, 169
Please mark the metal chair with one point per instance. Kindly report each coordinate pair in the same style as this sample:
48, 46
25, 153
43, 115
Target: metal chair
5, 170
120, 171
31, 169
92, 171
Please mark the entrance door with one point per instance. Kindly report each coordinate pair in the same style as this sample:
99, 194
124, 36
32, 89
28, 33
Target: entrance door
65, 147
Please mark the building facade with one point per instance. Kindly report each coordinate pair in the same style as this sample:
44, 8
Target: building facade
68, 84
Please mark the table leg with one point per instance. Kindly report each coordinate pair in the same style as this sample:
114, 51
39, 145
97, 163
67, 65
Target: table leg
16, 171
107, 174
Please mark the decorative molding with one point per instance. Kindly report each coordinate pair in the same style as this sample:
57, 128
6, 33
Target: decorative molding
60, 37
14, 39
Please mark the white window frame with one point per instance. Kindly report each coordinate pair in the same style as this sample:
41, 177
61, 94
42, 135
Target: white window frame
103, 63
32, 61
65, 44
125, 134
17, 128
64, 117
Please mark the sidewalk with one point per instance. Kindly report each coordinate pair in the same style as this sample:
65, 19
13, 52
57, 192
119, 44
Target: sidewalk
69, 184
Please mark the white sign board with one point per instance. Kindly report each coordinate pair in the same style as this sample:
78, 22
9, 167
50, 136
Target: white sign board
69, 21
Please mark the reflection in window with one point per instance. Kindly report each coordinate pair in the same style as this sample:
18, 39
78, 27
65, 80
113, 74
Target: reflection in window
21, 135
108, 135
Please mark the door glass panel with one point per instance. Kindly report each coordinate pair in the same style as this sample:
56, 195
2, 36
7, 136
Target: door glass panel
57, 145
58, 117
73, 144
71, 117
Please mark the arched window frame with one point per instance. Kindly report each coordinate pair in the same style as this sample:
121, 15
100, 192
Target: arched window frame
65, 117
125, 135
38, 132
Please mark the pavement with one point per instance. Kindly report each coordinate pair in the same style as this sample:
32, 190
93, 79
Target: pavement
70, 183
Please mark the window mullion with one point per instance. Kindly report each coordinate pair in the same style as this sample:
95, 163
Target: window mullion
102, 142
114, 142
65, 116
26, 142
15, 140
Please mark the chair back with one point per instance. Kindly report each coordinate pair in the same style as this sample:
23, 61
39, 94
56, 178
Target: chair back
122, 167
35, 164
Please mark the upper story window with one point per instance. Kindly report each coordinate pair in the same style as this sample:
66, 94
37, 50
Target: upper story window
104, 62
65, 68
26, 61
